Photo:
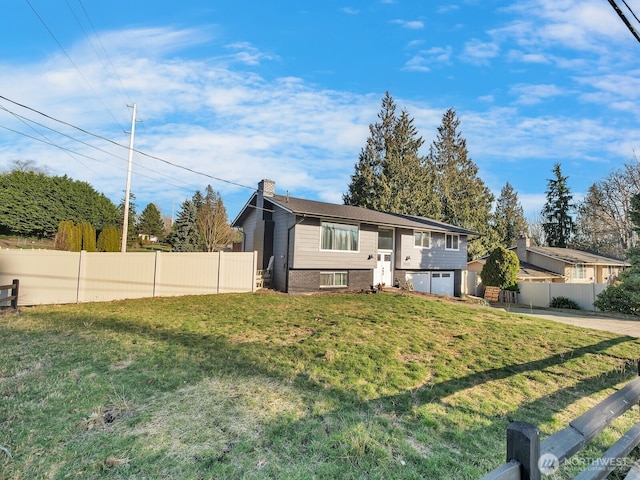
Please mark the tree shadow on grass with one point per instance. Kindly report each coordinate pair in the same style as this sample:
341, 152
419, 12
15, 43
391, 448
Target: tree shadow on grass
356, 437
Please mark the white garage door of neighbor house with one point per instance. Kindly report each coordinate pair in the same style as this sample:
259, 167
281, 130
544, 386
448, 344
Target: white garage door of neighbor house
442, 283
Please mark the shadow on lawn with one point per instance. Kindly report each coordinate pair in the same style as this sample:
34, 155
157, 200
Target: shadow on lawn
252, 357
337, 427
436, 390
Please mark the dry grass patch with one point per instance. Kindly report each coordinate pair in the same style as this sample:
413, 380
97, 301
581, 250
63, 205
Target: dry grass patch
213, 416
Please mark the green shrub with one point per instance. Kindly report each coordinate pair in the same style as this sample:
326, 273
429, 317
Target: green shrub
563, 302
501, 269
623, 296
109, 240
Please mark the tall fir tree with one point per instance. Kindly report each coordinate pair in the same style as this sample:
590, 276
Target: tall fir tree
509, 221
184, 236
558, 223
390, 175
464, 199
150, 222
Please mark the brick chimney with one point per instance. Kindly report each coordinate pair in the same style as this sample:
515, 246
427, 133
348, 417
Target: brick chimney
523, 243
267, 187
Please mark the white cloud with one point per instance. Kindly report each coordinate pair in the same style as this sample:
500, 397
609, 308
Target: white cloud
225, 122
533, 94
480, 53
421, 61
448, 8
409, 24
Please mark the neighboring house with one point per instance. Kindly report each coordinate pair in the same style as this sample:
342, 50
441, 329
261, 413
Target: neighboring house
319, 246
559, 265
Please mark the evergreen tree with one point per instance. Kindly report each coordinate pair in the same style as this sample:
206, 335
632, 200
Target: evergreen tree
501, 269
109, 240
390, 175
509, 221
132, 230
88, 235
464, 199
212, 221
67, 237
33, 204
185, 236
198, 199
558, 223
150, 222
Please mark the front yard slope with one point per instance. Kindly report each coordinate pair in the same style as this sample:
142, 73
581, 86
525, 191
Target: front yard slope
257, 386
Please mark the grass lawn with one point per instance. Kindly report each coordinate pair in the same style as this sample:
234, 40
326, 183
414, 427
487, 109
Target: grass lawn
258, 386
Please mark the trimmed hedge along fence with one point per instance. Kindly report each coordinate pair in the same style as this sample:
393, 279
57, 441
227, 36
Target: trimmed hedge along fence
528, 458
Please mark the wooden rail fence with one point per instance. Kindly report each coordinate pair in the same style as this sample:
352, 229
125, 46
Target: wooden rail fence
528, 458
13, 288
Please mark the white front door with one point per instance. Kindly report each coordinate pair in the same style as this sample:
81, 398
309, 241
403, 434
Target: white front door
382, 273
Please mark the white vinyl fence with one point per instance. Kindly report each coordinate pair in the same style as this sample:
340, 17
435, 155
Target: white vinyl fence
55, 277
539, 294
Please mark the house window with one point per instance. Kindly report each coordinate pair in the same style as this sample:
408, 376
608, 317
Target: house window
422, 239
385, 240
334, 279
579, 272
337, 236
452, 242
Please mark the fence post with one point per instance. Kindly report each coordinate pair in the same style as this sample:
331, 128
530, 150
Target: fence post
523, 445
14, 294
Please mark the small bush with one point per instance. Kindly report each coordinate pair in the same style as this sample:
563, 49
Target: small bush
563, 302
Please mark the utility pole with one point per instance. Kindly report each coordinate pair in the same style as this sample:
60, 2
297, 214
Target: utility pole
125, 215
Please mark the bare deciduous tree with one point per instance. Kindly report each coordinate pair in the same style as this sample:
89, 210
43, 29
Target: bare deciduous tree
603, 220
213, 223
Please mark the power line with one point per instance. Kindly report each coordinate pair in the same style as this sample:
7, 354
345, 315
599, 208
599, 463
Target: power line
25, 121
624, 18
70, 152
229, 182
106, 54
631, 10
72, 62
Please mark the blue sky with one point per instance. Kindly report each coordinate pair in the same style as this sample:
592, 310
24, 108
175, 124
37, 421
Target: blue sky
245, 90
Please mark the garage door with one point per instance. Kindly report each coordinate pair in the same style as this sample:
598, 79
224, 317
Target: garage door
442, 283
420, 281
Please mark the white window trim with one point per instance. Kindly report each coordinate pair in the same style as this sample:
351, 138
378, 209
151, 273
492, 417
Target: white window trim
334, 279
422, 246
357, 225
446, 235
580, 267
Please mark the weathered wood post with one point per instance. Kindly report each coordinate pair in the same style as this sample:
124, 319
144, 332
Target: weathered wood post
14, 294
523, 445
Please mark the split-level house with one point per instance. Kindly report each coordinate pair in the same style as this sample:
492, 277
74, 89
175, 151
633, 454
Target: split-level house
312, 246
559, 265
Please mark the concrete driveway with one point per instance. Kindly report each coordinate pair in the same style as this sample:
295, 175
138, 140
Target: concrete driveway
619, 325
